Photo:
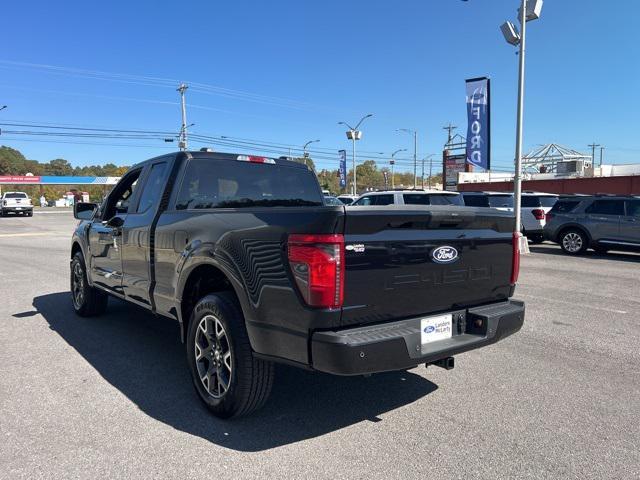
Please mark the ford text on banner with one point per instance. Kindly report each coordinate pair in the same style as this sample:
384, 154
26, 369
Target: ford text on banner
478, 123
343, 168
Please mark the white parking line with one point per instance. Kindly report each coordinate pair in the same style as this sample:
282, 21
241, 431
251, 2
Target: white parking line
573, 304
32, 234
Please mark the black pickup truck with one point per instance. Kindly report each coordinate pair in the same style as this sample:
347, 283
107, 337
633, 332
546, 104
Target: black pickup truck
242, 252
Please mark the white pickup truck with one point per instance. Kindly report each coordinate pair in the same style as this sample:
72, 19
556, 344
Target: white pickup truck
16, 202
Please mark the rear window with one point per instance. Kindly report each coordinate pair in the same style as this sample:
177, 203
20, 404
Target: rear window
606, 207
211, 183
501, 201
15, 195
476, 200
565, 206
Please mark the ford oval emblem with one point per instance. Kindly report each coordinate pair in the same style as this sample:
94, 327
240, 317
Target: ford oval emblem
444, 254
429, 329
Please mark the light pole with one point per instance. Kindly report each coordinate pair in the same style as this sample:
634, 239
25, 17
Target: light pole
393, 162
415, 153
304, 149
428, 157
529, 10
354, 134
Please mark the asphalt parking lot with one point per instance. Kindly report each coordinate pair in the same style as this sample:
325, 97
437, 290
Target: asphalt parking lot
110, 397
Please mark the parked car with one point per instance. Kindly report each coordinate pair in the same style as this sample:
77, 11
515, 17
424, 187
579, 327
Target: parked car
533, 210
331, 200
500, 200
16, 202
600, 222
242, 252
347, 199
410, 197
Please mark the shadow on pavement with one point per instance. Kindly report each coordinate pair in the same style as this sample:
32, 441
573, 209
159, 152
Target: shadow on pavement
615, 256
142, 356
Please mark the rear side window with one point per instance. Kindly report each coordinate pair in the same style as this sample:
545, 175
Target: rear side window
416, 199
476, 200
530, 202
606, 207
446, 199
565, 206
209, 183
501, 201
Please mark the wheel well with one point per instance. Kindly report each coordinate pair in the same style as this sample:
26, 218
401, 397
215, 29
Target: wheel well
75, 248
202, 280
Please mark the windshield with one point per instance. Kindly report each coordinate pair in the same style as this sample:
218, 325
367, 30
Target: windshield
328, 200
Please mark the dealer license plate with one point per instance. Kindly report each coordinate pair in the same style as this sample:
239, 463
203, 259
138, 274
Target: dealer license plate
436, 328
18, 208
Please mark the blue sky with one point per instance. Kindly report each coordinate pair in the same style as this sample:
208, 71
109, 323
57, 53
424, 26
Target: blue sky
296, 68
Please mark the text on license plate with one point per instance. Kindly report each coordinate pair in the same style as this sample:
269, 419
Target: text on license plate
435, 328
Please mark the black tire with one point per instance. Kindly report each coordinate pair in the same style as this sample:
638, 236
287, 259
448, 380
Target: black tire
248, 379
29, 214
536, 239
573, 241
87, 301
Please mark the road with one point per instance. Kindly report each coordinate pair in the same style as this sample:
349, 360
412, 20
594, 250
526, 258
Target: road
110, 397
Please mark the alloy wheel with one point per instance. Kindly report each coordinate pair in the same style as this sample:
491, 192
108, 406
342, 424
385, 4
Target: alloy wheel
78, 285
572, 242
213, 356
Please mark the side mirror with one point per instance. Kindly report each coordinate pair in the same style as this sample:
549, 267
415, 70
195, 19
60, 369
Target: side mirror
84, 210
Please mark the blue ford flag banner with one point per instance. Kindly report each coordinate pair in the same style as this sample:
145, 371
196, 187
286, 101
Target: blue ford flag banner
343, 168
478, 123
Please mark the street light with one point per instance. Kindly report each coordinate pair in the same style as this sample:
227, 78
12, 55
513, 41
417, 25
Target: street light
354, 134
529, 10
430, 168
304, 149
393, 162
415, 153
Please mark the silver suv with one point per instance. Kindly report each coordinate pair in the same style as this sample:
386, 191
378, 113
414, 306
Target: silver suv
409, 197
599, 222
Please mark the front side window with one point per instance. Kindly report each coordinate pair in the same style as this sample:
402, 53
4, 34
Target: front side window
606, 207
210, 183
119, 199
633, 208
382, 199
152, 190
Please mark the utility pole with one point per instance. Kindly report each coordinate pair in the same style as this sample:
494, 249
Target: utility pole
183, 130
593, 154
449, 128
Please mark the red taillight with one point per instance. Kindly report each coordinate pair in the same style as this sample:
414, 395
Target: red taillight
317, 264
539, 214
255, 159
515, 258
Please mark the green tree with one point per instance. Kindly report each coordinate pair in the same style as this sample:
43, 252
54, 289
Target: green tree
12, 162
58, 167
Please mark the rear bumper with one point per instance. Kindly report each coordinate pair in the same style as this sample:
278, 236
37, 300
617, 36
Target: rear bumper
18, 209
397, 345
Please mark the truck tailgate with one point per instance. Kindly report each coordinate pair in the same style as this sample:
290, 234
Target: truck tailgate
396, 269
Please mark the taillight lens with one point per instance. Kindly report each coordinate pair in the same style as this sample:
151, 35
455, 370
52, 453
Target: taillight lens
539, 214
515, 258
317, 264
